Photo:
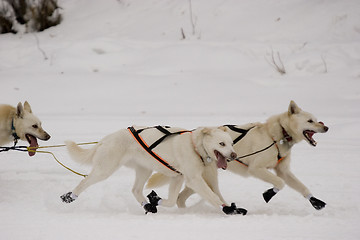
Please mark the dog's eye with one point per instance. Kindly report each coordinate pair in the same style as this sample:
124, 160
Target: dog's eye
35, 126
222, 144
310, 121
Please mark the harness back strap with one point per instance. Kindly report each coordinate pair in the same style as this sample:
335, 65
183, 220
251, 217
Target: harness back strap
242, 132
148, 149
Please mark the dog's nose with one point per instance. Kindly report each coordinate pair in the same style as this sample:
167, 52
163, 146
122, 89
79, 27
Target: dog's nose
233, 155
325, 127
47, 137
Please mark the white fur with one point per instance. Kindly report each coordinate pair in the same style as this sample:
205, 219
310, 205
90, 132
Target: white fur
295, 122
25, 122
180, 151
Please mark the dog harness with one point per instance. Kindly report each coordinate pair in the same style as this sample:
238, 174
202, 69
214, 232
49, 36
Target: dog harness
136, 134
13, 132
243, 132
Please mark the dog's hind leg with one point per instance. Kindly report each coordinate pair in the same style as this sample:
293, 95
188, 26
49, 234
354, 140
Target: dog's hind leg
174, 189
142, 175
183, 196
267, 176
92, 178
99, 173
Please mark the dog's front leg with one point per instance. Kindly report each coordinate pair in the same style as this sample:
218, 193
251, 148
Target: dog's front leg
210, 176
284, 172
198, 184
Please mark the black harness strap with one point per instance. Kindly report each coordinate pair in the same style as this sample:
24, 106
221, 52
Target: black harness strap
248, 155
16, 148
13, 133
242, 132
136, 135
163, 130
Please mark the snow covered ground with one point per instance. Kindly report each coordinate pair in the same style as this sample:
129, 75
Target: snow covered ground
111, 64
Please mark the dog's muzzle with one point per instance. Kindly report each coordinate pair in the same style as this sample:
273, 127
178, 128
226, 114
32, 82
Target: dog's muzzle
233, 156
325, 127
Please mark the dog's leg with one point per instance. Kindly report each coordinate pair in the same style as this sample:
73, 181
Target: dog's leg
210, 176
99, 173
198, 184
174, 189
142, 175
91, 179
183, 196
265, 175
293, 182
201, 187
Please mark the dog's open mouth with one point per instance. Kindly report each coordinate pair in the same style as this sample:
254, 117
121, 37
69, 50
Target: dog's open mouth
309, 136
33, 144
221, 160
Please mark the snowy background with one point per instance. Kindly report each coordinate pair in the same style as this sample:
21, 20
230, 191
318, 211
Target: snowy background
111, 64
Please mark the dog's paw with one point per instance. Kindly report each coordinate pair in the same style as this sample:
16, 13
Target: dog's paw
150, 208
68, 197
153, 198
317, 204
269, 194
232, 210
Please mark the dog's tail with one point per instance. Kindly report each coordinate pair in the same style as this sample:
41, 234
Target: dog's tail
157, 180
79, 154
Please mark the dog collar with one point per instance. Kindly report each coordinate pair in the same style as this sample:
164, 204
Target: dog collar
208, 158
287, 137
13, 132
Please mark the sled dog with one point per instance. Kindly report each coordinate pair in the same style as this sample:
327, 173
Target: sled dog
181, 156
20, 124
265, 146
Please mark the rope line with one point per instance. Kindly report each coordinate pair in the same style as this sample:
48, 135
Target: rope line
34, 149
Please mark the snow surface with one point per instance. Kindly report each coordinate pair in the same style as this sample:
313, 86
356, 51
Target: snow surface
111, 64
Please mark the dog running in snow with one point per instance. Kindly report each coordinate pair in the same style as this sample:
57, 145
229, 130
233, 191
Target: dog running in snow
20, 124
264, 146
183, 157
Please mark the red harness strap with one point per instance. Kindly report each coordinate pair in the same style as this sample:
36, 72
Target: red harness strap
148, 149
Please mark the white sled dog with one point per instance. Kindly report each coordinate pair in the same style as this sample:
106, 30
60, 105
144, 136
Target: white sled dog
20, 124
180, 155
264, 146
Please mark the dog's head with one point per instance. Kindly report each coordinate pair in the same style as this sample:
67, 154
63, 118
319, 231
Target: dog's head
28, 126
215, 143
303, 125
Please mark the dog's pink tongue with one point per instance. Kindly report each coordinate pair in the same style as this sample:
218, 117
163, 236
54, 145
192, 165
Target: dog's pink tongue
221, 163
33, 145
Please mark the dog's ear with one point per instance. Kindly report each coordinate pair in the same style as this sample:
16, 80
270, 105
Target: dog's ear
223, 128
20, 110
293, 108
27, 107
206, 130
